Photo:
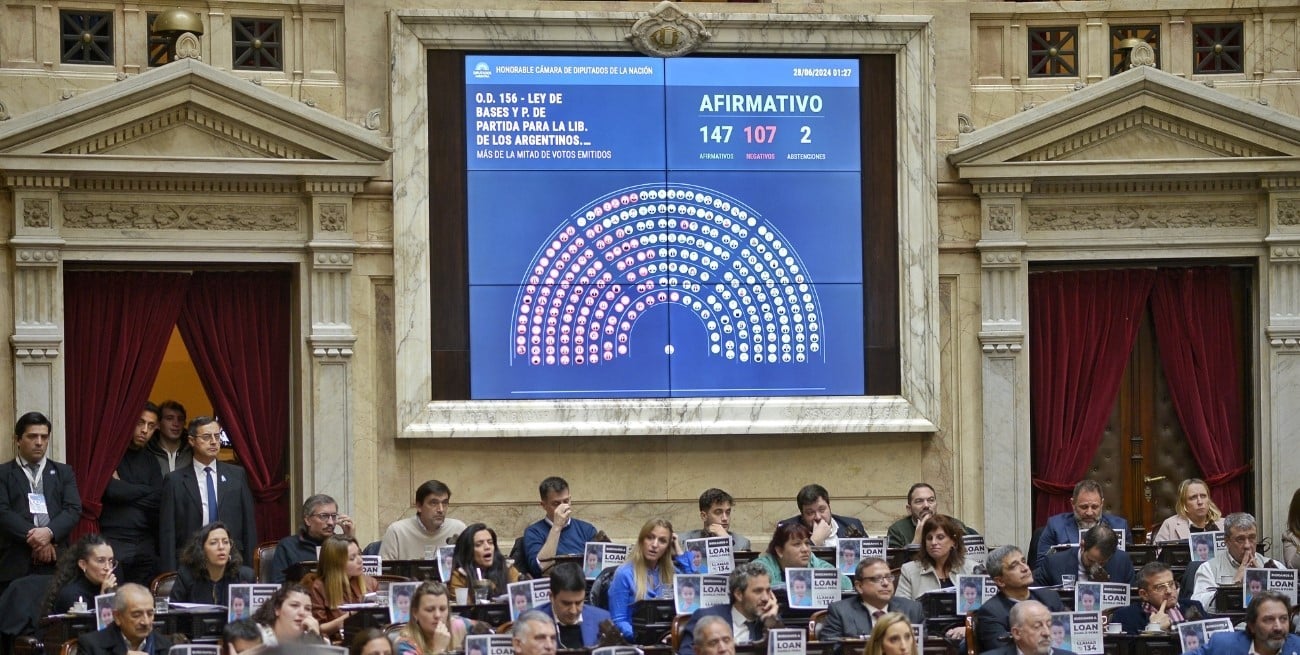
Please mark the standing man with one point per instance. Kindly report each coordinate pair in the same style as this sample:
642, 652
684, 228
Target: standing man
922, 503
1228, 567
533, 634
39, 503
854, 617
1160, 603
1006, 566
1089, 510
129, 519
1096, 559
320, 514
752, 612
715, 512
189, 495
1031, 632
131, 632
560, 533
577, 621
1268, 630
169, 444
815, 513
412, 538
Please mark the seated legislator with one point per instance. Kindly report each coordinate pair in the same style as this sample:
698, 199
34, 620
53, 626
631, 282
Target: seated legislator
1268, 630
647, 573
892, 636
712, 636
922, 503
320, 515
791, 547
752, 612
1031, 632
209, 565
1160, 603
852, 618
339, 580
533, 634
131, 630
579, 622
560, 533
84, 571
419, 536
286, 618
715, 512
477, 557
1228, 567
433, 629
940, 560
1064, 528
1096, 559
824, 527
1195, 511
1008, 570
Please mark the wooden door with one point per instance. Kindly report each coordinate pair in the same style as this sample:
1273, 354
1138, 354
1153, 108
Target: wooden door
1144, 454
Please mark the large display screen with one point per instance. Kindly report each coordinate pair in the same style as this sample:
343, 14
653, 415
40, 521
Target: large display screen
664, 228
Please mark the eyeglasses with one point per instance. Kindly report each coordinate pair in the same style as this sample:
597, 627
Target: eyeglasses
1165, 586
327, 517
877, 579
208, 438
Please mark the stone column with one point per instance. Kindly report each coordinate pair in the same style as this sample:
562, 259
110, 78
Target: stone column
1004, 300
327, 436
37, 340
1277, 454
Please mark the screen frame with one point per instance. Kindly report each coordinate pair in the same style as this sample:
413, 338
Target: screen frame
908, 402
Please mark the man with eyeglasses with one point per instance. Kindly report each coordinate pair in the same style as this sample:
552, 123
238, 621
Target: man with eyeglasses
1160, 603
129, 518
1228, 567
320, 519
206, 491
1007, 567
855, 617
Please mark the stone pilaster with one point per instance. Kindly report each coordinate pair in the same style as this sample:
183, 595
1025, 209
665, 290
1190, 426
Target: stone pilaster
1280, 430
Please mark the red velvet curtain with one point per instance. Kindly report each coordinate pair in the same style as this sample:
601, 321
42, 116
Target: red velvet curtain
1192, 308
1082, 325
236, 328
116, 329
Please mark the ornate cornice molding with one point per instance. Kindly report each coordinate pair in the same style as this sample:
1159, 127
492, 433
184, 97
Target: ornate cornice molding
1001, 343
127, 215
36, 181
1128, 187
185, 185
1142, 216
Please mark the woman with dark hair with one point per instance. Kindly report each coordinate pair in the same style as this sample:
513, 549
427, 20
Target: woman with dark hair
371, 641
942, 557
477, 557
433, 629
84, 571
210, 563
791, 548
1291, 537
340, 579
286, 617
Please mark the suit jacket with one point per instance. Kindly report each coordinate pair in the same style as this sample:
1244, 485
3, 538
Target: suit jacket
182, 511
592, 617
1066, 562
109, 641
1235, 642
1134, 619
687, 644
1063, 529
993, 618
1010, 649
844, 523
849, 617
61, 499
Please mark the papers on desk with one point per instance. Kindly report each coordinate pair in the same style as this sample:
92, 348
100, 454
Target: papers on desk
1194, 634
692, 592
811, 588
1098, 596
352, 607
1078, 631
196, 606
787, 641
1280, 580
711, 554
617, 650
195, 649
851, 551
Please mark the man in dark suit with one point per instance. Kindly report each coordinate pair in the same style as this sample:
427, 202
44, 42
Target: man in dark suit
1160, 603
855, 617
1268, 630
1031, 631
1006, 566
129, 518
131, 630
577, 621
1064, 528
1096, 559
815, 512
188, 493
39, 503
752, 612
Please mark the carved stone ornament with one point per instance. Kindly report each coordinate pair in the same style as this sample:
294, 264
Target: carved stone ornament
371, 121
1127, 216
36, 213
4, 112
333, 218
187, 47
964, 124
1288, 212
668, 32
1142, 54
179, 216
1000, 218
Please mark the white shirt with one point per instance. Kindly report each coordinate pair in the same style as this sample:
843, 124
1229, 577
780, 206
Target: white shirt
739, 630
31, 477
202, 478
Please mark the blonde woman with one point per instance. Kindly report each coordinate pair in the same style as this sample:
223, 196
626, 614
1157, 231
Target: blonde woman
647, 573
433, 630
1195, 512
891, 635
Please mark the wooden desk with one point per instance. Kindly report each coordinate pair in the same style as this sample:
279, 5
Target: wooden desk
1126, 644
195, 624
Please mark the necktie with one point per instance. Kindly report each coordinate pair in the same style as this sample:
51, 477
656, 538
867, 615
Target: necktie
755, 630
38, 486
212, 495
875, 616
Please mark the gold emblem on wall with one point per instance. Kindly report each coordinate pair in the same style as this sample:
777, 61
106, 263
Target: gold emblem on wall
668, 32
